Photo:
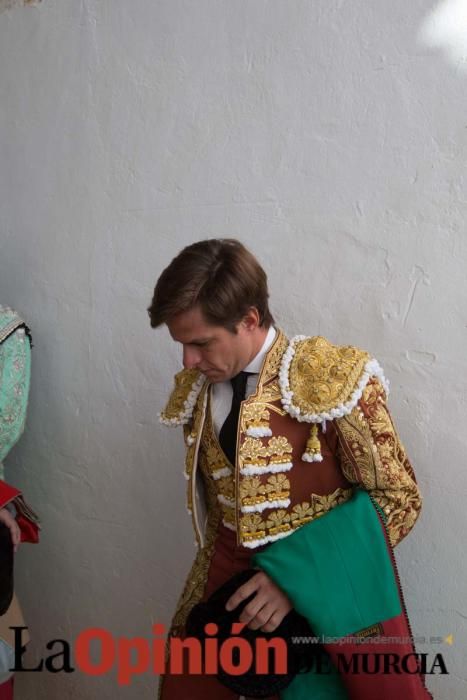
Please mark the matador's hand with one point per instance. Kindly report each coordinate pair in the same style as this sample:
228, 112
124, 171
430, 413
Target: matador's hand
7, 518
267, 609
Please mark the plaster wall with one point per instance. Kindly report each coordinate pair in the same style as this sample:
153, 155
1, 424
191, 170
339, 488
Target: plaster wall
330, 139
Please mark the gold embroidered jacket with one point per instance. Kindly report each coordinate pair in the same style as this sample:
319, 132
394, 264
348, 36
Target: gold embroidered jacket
316, 426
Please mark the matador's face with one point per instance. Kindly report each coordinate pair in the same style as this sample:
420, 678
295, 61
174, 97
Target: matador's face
214, 350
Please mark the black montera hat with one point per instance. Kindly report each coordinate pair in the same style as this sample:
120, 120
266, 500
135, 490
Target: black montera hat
302, 652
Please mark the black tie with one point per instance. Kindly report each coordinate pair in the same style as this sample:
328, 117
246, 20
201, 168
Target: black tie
228, 432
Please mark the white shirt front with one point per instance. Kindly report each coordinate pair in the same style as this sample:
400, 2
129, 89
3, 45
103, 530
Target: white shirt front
221, 392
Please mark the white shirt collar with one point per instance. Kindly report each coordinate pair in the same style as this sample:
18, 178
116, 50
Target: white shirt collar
256, 363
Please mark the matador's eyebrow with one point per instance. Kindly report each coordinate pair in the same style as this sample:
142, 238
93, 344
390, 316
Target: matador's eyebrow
199, 341
194, 341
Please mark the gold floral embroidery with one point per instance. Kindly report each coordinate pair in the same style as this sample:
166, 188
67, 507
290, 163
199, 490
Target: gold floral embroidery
277, 521
176, 404
270, 368
254, 415
214, 459
322, 375
253, 450
278, 484
253, 491
301, 513
226, 487
228, 516
250, 527
373, 456
254, 412
279, 445
271, 392
358, 447
282, 521
321, 504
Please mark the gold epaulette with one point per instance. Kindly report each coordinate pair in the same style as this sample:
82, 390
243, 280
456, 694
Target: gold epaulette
179, 408
321, 381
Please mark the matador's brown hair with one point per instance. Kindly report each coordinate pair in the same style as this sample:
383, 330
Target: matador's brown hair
220, 275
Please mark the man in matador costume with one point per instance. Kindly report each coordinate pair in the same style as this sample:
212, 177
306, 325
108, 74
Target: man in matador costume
278, 432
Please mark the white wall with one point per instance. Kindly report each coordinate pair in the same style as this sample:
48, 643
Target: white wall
324, 135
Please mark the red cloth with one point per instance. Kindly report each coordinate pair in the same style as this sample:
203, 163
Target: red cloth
405, 683
6, 690
25, 518
383, 686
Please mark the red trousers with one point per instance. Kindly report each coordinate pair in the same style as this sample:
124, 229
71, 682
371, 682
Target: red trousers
228, 559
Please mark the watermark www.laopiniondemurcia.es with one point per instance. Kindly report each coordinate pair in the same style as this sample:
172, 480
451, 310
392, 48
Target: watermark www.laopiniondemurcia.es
96, 652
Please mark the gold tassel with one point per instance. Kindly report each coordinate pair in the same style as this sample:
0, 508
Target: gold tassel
313, 447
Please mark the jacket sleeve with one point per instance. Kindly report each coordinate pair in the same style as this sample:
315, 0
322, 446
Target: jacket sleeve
15, 364
372, 456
